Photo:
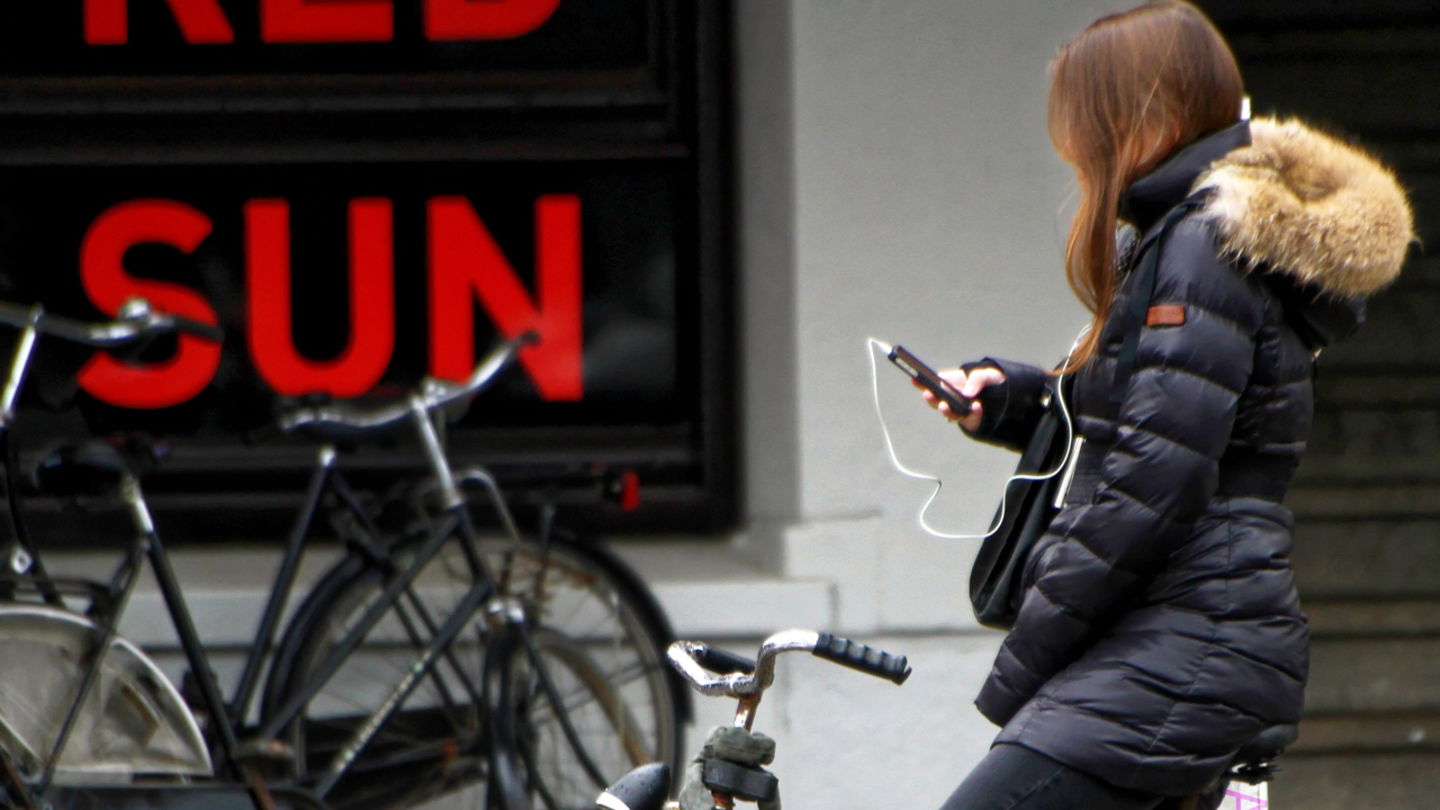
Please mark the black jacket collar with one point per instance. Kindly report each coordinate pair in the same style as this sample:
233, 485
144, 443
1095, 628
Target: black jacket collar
1168, 184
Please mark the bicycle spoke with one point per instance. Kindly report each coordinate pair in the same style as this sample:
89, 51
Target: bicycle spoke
605, 669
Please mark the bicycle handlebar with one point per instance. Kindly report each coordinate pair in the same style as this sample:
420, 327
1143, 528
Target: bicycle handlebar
723, 662
432, 394
701, 665
135, 322
862, 657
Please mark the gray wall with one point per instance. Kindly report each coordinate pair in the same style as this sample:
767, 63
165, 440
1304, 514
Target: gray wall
896, 180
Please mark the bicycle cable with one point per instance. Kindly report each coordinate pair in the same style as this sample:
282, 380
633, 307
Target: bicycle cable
1071, 450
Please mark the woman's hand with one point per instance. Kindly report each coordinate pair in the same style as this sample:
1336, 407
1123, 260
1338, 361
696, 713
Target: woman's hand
969, 386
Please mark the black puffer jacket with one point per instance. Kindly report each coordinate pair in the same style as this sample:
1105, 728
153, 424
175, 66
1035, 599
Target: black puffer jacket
1160, 628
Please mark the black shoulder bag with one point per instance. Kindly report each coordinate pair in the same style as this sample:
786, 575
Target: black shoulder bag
1025, 513
1030, 505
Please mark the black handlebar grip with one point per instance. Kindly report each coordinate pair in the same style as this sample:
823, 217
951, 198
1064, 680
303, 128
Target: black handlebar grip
722, 662
866, 659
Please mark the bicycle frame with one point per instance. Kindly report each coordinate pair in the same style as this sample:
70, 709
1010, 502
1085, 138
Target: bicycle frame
455, 525
433, 643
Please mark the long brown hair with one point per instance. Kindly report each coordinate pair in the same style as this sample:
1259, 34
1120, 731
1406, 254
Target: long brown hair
1124, 94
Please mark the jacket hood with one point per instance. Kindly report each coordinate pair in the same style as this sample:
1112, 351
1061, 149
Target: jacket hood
1167, 185
1308, 206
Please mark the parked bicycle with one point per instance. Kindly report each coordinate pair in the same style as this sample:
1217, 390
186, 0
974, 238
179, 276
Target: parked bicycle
430, 659
728, 769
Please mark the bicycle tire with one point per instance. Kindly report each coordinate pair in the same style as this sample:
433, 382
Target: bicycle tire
560, 759
434, 745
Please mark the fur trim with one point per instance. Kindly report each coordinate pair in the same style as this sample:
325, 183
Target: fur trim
1308, 205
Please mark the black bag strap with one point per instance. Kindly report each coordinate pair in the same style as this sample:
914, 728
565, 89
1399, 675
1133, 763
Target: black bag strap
1139, 304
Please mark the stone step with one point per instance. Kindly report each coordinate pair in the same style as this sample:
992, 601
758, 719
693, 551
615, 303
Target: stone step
1371, 390
1366, 559
1336, 619
1349, 781
1423, 185
1398, 333
1394, 674
1359, 500
1393, 444
1373, 670
1395, 85
1368, 732
1422, 272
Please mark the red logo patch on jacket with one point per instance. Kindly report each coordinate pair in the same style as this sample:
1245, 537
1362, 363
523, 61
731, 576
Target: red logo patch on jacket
1166, 315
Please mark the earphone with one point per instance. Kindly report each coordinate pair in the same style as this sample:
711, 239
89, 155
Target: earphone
1064, 466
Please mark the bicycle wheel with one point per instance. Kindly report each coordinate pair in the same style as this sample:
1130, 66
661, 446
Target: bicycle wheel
594, 632
568, 729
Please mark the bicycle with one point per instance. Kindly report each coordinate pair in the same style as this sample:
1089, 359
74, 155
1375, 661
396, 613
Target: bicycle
727, 768
429, 659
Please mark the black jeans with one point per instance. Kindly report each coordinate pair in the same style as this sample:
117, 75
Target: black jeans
1012, 777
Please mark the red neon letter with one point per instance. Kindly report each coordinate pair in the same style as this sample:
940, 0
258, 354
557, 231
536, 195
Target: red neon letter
155, 385
465, 260
372, 301
294, 21
202, 22
485, 19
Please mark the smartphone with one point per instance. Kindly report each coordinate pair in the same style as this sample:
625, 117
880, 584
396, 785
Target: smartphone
926, 376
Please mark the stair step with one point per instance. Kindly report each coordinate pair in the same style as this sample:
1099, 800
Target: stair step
1421, 272
1361, 501
1381, 781
1365, 559
1352, 618
1373, 444
1424, 188
1398, 93
1366, 389
1372, 732
1398, 332
1374, 674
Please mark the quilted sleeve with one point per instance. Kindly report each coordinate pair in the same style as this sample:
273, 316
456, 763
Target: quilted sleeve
1010, 410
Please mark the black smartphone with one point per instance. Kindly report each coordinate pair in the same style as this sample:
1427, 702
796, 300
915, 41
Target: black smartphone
926, 376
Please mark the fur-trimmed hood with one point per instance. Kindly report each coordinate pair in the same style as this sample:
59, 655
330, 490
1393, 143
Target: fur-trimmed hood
1312, 207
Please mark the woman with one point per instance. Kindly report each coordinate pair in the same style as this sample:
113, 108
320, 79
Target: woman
1160, 629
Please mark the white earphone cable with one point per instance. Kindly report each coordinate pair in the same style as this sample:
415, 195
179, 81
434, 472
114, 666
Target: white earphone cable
871, 345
